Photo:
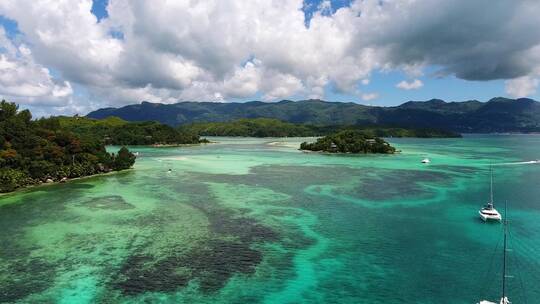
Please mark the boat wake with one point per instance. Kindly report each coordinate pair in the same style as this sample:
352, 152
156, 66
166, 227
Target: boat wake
519, 163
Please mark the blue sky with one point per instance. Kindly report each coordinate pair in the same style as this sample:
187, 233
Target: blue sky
9, 26
466, 76
447, 88
99, 8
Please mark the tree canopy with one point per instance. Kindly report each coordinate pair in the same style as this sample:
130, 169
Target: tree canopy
33, 151
115, 131
349, 141
269, 127
254, 127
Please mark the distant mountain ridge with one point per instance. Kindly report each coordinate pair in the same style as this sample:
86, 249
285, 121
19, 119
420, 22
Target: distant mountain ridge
497, 115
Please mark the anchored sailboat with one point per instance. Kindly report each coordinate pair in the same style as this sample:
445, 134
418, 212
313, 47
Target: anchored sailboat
488, 212
504, 298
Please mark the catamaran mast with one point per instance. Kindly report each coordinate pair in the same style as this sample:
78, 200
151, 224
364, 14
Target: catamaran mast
491, 185
504, 257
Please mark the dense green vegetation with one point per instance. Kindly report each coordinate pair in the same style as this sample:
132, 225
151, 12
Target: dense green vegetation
115, 131
36, 151
375, 131
496, 115
255, 127
267, 127
349, 141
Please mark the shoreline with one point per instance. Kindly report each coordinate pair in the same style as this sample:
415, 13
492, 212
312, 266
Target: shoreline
345, 153
317, 136
34, 186
161, 145
170, 145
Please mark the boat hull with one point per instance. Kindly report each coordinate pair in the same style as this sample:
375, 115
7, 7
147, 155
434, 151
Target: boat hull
490, 218
503, 301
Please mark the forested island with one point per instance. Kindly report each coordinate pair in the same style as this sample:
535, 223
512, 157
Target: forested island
269, 127
42, 151
349, 141
115, 131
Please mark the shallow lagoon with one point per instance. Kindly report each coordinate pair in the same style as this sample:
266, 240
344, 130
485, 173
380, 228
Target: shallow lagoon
256, 221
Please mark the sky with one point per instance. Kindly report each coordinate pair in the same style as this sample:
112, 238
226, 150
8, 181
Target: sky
74, 56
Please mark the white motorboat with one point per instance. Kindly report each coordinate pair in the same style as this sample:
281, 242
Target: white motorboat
488, 212
425, 161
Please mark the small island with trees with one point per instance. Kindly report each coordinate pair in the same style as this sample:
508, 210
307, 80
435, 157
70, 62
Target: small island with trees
42, 151
349, 141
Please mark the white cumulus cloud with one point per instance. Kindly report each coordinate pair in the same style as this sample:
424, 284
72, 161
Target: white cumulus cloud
369, 96
522, 86
412, 85
27, 82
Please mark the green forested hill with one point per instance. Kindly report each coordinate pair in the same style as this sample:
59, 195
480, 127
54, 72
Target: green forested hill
115, 131
267, 127
496, 115
256, 127
34, 151
312, 111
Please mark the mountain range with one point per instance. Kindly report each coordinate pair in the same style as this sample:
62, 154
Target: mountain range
472, 116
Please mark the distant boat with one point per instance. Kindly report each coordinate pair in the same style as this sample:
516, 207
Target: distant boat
488, 212
425, 161
504, 298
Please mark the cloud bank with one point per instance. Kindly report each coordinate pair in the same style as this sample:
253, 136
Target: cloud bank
215, 50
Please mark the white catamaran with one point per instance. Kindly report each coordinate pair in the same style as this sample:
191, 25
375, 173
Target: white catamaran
504, 298
488, 212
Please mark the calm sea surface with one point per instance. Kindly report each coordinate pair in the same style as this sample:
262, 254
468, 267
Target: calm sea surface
256, 221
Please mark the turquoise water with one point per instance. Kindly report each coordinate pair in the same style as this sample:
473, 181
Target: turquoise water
256, 221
